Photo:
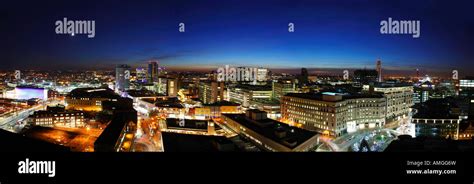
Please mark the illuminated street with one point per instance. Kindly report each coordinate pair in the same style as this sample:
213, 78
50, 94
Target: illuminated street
148, 135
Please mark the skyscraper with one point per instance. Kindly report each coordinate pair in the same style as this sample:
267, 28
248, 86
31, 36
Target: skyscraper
303, 77
152, 71
122, 78
379, 70
211, 92
141, 75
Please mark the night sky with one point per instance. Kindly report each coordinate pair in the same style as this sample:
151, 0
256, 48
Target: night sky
328, 34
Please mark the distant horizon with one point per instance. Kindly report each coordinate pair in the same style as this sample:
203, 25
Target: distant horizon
294, 71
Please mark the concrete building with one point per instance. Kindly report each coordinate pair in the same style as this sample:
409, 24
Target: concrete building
122, 78
466, 92
333, 114
247, 94
153, 71
208, 111
282, 87
141, 75
379, 71
89, 99
211, 92
57, 116
270, 135
399, 98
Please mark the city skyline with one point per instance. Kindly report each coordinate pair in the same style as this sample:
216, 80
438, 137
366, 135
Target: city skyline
327, 36
106, 90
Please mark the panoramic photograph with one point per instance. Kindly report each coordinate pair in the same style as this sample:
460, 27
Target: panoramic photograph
244, 76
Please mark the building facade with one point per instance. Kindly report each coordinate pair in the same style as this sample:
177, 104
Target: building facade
246, 95
211, 92
57, 116
89, 99
399, 98
122, 78
333, 114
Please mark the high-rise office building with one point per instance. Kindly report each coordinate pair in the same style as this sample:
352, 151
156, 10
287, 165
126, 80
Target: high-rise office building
211, 92
141, 75
248, 95
379, 71
303, 77
153, 71
172, 87
281, 87
261, 74
122, 78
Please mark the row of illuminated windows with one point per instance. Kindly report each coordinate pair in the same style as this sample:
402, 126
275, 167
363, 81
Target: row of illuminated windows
56, 115
317, 119
332, 110
305, 101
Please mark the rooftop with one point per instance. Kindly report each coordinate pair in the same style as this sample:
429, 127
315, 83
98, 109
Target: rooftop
319, 96
173, 142
391, 84
113, 131
188, 123
254, 87
143, 93
223, 103
270, 128
93, 93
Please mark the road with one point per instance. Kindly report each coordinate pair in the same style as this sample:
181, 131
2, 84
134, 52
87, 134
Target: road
148, 137
9, 122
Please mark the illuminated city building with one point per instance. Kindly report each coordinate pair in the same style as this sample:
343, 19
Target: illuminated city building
379, 71
437, 127
214, 110
437, 118
466, 132
57, 116
189, 126
122, 78
422, 92
466, 92
247, 94
153, 71
89, 99
167, 107
27, 92
399, 98
333, 114
282, 87
141, 74
211, 91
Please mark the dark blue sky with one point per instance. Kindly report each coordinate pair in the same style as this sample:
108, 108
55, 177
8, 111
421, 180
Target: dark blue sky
329, 34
